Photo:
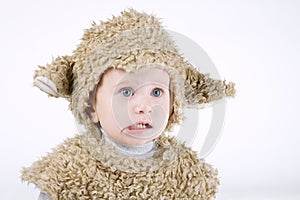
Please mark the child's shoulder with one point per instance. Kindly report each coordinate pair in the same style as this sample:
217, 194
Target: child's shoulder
187, 157
68, 151
62, 163
70, 166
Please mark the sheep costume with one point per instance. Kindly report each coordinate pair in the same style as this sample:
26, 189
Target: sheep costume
88, 167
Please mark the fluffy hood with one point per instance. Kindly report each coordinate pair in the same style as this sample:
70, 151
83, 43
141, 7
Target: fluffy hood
132, 41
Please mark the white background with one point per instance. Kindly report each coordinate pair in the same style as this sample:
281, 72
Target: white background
254, 43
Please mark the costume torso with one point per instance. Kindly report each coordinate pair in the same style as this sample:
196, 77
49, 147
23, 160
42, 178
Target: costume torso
71, 172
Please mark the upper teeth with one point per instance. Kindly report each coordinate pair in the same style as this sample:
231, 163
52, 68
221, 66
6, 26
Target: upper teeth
140, 125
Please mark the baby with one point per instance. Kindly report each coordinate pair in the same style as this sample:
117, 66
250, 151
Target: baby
127, 85
132, 108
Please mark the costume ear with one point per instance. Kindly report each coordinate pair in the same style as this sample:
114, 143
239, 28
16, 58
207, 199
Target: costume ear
56, 78
201, 89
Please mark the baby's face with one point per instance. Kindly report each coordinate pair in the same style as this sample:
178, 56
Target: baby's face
133, 108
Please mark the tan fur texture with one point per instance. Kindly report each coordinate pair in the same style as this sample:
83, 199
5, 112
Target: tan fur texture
71, 172
60, 72
84, 167
130, 41
203, 89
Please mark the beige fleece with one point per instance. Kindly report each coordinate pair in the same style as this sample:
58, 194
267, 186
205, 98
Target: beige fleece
71, 172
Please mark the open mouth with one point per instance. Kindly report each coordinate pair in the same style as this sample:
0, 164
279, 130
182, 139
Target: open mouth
139, 126
141, 130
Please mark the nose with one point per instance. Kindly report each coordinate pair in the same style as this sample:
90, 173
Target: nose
142, 108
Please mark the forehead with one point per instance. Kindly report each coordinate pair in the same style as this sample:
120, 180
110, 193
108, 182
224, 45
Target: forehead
148, 76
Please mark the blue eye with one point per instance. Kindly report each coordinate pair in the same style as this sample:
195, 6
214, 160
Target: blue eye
156, 92
127, 92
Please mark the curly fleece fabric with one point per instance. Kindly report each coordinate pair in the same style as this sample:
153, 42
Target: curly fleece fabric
71, 172
132, 41
85, 167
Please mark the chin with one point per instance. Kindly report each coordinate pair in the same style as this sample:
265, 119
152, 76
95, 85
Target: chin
137, 142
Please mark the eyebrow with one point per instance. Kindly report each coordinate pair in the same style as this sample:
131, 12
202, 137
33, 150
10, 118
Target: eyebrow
136, 83
126, 82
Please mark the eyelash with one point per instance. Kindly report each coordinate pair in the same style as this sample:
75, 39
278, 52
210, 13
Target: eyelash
124, 89
132, 93
161, 92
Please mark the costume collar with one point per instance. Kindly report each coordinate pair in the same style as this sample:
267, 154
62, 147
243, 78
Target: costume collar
141, 152
164, 151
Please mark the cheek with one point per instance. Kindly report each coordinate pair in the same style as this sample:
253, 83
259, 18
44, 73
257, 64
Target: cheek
164, 103
104, 110
107, 117
120, 111
160, 112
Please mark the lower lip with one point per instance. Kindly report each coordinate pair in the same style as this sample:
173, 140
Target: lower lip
139, 133
136, 131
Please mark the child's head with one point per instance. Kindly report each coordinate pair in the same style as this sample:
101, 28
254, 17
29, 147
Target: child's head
131, 44
132, 108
